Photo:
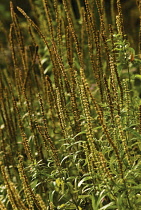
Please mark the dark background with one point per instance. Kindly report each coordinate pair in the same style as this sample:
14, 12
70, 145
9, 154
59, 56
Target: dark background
130, 13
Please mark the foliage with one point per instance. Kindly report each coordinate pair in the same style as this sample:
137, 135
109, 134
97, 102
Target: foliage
70, 111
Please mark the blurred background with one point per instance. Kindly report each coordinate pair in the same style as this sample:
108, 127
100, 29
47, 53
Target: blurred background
130, 12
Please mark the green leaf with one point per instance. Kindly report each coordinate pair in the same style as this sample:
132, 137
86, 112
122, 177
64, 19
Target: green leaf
109, 205
84, 179
66, 157
43, 60
82, 132
134, 132
83, 196
34, 184
138, 187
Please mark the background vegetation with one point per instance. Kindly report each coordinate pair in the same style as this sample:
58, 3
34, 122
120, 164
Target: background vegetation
70, 105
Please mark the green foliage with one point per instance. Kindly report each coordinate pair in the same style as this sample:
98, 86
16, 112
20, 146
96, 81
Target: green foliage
70, 111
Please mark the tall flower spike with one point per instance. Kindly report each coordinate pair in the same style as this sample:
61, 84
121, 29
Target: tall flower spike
89, 129
29, 193
109, 98
19, 37
2, 206
12, 192
123, 139
46, 134
140, 119
114, 63
24, 137
74, 35
119, 19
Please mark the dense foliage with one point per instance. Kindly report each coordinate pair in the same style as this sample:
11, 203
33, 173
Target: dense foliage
70, 109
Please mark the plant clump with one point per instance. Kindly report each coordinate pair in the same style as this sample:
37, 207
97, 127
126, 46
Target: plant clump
70, 97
